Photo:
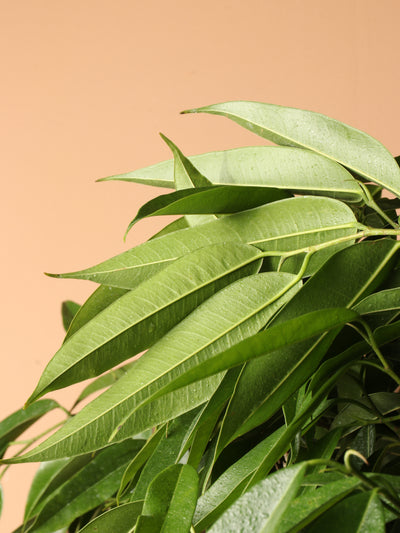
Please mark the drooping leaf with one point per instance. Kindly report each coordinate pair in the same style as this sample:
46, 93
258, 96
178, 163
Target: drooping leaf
121, 519
186, 176
172, 497
353, 148
279, 374
68, 311
261, 509
230, 485
247, 305
220, 199
93, 484
282, 226
293, 169
140, 317
16, 423
361, 513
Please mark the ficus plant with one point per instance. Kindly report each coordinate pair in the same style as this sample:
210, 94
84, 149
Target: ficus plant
267, 397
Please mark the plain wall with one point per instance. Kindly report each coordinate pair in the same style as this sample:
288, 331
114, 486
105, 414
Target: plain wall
86, 87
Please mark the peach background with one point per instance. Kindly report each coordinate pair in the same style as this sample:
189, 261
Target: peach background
87, 85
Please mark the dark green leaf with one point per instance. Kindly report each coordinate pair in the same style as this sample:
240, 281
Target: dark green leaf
15, 424
68, 311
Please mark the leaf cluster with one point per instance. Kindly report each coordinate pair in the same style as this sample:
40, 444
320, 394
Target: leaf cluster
267, 396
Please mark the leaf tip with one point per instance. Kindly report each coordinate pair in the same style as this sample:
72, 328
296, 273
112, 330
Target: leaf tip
51, 275
187, 111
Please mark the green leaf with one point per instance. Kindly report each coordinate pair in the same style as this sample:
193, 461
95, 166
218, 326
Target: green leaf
140, 317
293, 169
68, 311
247, 305
140, 459
16, 423
231, 484
91, 485
186, 175
176, 225
267, 382
101, 298
104, 381
43, 479
361, 513
378, 302
1, 499
306, 129
220, 199
282, 226
260, 510
172, 497
165, 454
313, 503
121, 519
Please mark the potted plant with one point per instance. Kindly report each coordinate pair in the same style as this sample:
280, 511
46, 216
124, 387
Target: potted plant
267, 397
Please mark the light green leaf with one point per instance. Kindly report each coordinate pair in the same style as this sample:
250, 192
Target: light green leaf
16, 423
1, 499
91, 485
68, 311
231, 484
186, 175
279, 374
361, 513
306, 129
282, 226
247, 305
176, 225
260, 510
104, 381
220, 199
293, 169
172, 496
140, 317
121, 519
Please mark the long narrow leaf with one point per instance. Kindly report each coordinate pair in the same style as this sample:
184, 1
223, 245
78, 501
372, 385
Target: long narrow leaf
293, 169
352, 148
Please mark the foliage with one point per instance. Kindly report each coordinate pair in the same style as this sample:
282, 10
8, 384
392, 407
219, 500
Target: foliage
267, 397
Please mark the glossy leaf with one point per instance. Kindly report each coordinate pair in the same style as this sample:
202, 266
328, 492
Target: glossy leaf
286, 225
140, 317
68, 311
93, 484
252, 404
220, 199
172, 497
293, 169
121, 519
247, 305
186, 175
361, 513
352, 148
16, 423
261, 509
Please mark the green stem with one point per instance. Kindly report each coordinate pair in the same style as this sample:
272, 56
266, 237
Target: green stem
370, 202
